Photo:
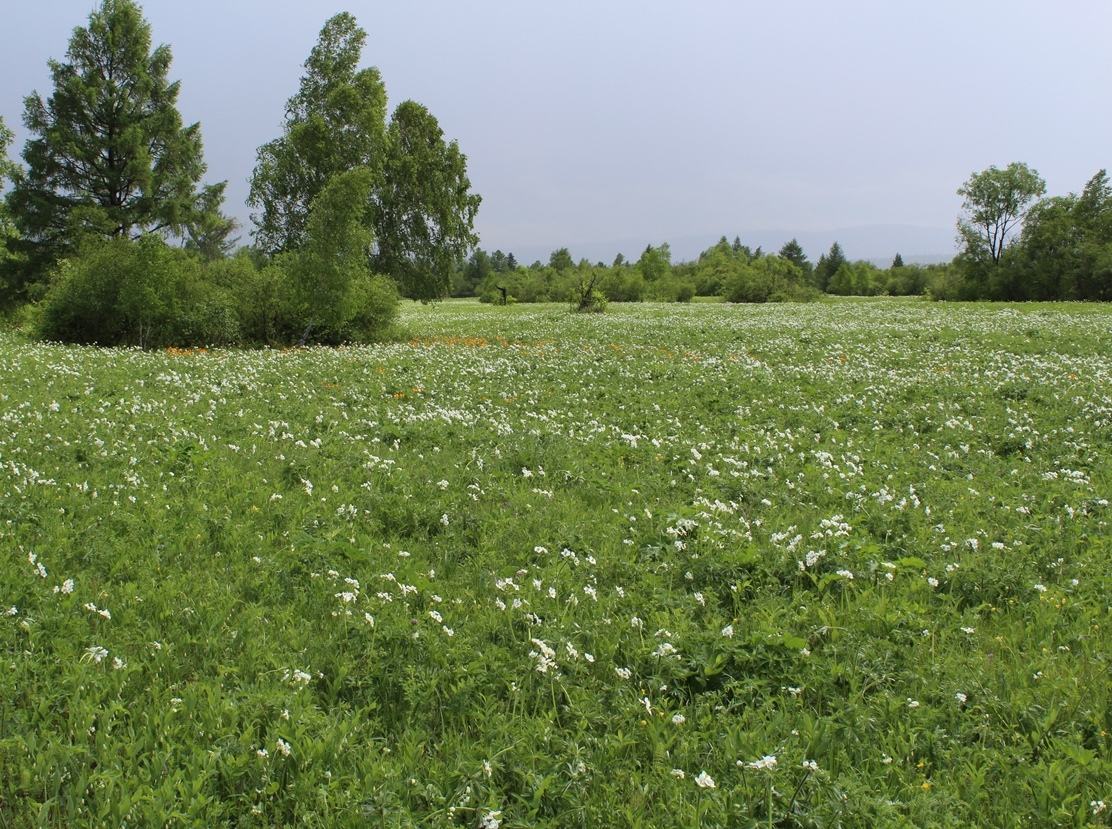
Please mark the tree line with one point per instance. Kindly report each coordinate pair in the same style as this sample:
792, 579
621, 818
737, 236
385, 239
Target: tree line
107, 234
1014, 246
730, 270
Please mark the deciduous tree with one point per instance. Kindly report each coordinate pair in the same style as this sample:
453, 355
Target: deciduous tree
336, 122
996, 202
1065, 250
334, 254
420, 208
426, 210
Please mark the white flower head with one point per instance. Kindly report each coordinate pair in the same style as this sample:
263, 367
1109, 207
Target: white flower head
705, 781
766, 763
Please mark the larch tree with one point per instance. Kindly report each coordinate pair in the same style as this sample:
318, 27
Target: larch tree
108, 154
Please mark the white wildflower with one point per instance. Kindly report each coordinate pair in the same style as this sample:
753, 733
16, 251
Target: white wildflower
705, 781
766, 763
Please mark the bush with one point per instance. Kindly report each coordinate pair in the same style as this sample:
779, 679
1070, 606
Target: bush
671, 289
622, 284
373, 301
119, 292
766, 279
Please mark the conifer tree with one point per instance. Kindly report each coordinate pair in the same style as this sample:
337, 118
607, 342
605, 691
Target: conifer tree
108, 154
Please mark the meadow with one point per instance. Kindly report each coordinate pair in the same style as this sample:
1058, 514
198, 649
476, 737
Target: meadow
843, 564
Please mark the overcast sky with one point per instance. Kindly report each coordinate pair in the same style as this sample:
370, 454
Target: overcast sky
604, 126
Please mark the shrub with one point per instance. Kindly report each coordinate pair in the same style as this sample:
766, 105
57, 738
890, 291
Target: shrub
120, 292
373, 303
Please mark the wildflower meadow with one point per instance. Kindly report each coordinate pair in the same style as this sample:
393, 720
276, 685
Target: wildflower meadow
842, 564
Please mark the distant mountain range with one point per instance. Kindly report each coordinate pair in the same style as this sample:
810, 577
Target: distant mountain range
875, 243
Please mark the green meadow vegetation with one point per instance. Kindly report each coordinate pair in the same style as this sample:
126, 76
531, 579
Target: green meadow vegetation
834, 564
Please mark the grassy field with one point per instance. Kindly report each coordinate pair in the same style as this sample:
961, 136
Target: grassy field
840, 564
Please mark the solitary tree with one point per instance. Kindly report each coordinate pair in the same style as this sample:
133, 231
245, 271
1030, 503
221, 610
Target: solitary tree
108, 155
996, 202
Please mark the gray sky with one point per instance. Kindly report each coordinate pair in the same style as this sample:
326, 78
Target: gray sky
604, 126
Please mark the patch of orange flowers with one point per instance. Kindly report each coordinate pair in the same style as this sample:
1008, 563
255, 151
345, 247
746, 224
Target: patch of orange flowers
185, 352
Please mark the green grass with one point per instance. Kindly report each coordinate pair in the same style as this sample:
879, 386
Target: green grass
542, 569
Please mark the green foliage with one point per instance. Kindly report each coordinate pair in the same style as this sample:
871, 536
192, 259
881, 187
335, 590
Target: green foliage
120, 292
907, 280
828, 265
108, 156
373, 299
655, 263
426, 210
8, 232
477, 268
622, 283
1065, 251
856, 279
333, 254
995, 202
560, 260
210, 235
669, 289
793, 252
765, 278
335, 123
420, 209
587, 296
